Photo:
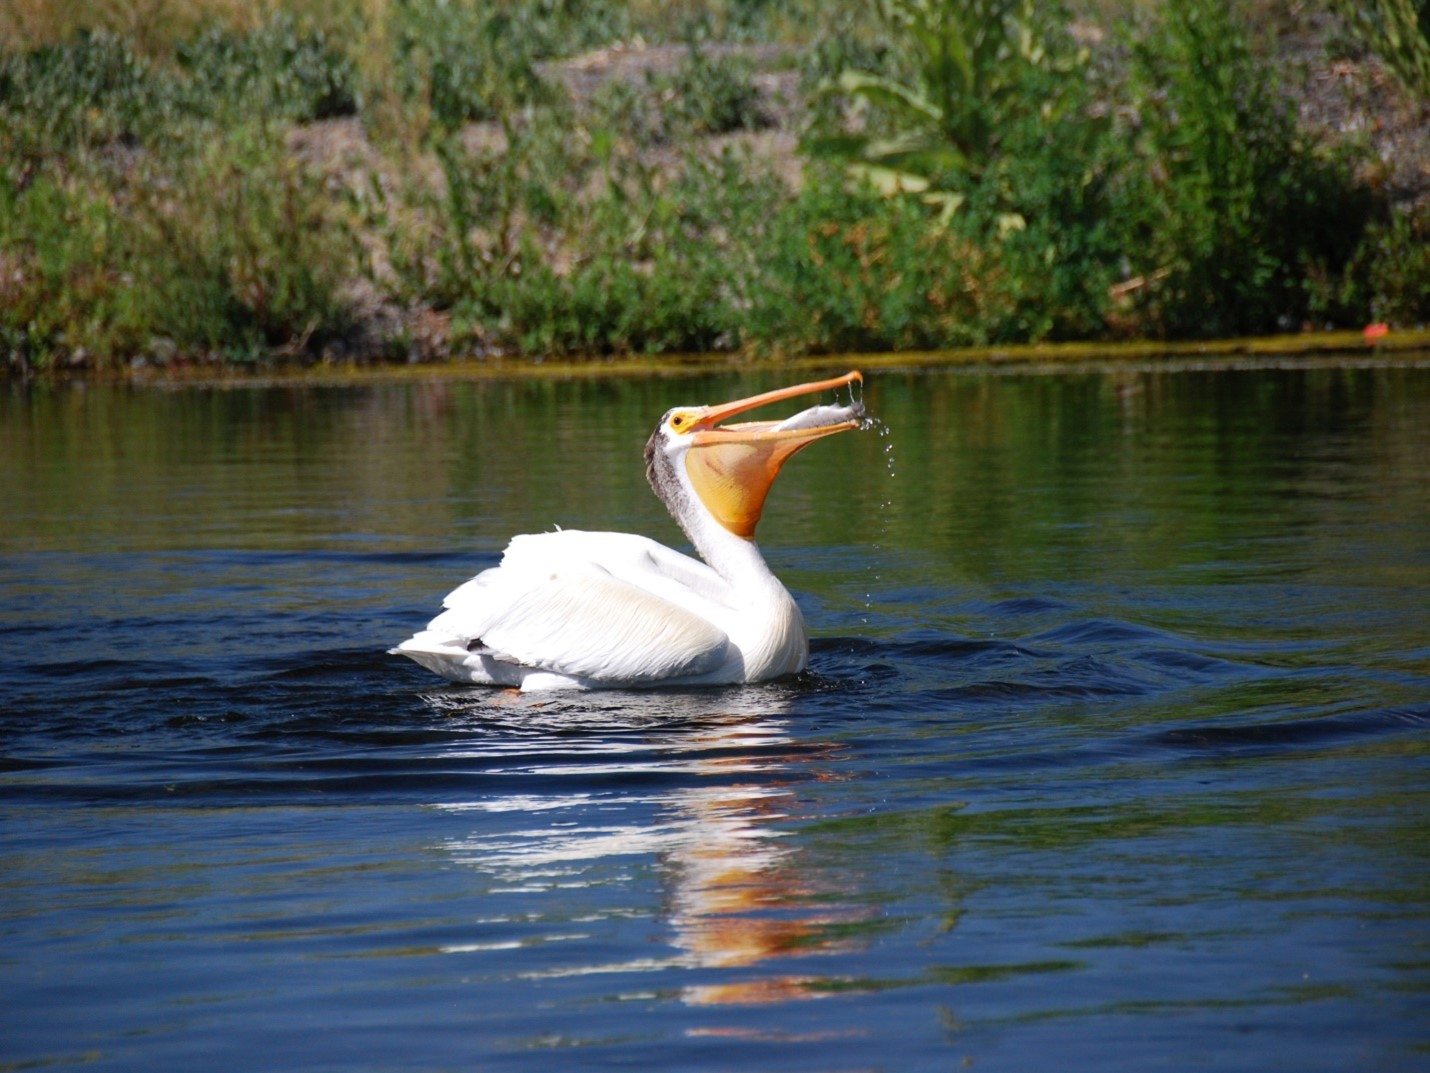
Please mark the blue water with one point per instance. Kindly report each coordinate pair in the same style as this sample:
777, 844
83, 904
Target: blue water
1114, 752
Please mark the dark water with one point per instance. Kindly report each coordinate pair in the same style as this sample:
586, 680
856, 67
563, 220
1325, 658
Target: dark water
1114, 753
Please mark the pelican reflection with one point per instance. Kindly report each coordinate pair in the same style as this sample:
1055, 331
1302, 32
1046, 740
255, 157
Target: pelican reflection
698, 792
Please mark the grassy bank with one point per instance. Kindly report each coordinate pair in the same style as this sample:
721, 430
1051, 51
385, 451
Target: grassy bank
205, 181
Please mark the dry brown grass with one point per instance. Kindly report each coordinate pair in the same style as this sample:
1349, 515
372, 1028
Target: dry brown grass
153, 26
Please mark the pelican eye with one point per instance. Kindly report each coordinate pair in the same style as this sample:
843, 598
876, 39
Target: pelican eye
680, 421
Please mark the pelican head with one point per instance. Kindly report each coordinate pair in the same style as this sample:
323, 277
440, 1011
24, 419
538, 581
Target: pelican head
727, 469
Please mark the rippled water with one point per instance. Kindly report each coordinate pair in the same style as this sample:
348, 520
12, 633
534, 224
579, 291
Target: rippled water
1112, 755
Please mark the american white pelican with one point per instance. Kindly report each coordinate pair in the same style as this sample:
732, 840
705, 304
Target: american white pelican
571, 609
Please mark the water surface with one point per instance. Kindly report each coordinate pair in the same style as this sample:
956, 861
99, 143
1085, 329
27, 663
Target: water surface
1112, 754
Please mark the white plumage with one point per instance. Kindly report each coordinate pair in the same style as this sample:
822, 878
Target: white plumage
588, 610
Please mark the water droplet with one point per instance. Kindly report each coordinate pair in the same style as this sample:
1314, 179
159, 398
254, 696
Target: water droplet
885, 508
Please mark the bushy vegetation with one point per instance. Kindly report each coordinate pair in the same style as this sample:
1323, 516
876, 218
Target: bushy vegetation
142, 212
336, 179
1239, 221
1399, 30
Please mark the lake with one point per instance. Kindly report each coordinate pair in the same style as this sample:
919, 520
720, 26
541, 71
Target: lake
1113, 753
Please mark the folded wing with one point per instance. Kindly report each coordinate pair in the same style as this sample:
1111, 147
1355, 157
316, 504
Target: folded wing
603, 606
588, 624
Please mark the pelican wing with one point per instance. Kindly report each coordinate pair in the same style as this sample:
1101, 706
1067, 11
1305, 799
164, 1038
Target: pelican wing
614, 608
608, 607
584, 622
637, 559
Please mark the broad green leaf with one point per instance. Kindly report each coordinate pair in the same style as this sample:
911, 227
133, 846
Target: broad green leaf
887, 181
889, 92
946, 202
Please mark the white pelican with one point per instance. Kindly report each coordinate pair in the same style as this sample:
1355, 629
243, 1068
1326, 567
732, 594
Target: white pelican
571, 609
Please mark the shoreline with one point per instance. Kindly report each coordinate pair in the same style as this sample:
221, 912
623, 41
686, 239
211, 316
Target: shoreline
1340, 349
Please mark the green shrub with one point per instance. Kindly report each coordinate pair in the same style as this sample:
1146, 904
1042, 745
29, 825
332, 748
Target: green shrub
606, 305
96, 92
635, 263
1395, 261
241, 249
1044, 206
853, 271
991, 127
451, 230
223, 247
709, 94
463, 62
965, 72
1399, 32
1234, 210
278, 70
57, 98
65, 292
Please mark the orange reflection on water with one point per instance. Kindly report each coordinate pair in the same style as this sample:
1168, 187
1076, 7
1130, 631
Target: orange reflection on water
737, 894
739, 897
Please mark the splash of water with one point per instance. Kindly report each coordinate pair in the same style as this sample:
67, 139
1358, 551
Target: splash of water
886, 506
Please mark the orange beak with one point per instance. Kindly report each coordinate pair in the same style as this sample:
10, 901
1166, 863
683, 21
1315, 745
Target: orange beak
733, 466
